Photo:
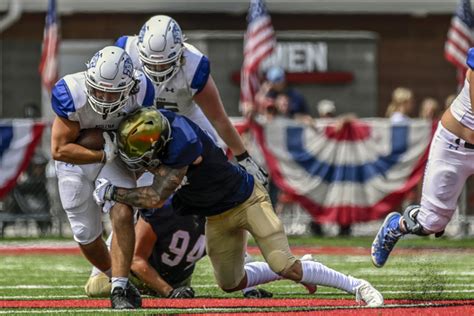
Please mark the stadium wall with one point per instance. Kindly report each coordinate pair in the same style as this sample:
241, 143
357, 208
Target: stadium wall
410, 48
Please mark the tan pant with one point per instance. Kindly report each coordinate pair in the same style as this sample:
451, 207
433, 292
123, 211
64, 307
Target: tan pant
226, 238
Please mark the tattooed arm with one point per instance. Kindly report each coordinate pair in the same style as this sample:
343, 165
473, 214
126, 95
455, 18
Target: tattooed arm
166, 181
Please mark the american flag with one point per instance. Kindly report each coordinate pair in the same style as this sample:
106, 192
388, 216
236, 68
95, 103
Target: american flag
48, 67
259, 42
460, 39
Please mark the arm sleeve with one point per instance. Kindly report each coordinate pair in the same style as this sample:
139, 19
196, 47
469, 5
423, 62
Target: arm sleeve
146, 92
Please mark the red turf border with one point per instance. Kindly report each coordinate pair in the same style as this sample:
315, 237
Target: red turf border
215, 303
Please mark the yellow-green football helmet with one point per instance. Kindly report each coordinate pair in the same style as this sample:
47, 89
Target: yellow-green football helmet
141, 137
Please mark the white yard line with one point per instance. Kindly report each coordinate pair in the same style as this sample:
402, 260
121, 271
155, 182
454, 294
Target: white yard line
39, 286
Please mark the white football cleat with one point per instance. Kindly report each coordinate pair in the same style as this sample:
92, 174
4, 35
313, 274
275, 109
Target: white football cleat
307, 257
367, 293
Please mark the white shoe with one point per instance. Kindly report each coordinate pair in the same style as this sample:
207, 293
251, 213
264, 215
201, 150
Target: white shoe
311, 288
367, 293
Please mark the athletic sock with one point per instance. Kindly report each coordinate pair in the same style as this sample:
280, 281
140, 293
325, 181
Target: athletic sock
119, 282
319, 274
259, 273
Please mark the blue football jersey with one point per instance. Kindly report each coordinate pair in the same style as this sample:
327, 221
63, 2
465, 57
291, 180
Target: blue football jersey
180, 242
211, 187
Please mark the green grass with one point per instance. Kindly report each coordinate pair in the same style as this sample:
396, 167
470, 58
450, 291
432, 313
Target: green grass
423, 276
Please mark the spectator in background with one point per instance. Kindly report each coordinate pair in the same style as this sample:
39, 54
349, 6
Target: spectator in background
449, 100
273, 99
280, 106
31, 110
326, 109
274, 85
401, 106
430, 109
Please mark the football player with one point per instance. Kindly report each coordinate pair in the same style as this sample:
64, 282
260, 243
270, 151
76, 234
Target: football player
186, 161
98, 98
183, 83
448, 167
167, 246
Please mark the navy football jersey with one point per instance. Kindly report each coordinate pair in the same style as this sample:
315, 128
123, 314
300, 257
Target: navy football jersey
180, 242
211, 187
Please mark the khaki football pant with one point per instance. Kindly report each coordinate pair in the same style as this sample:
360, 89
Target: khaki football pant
226, 238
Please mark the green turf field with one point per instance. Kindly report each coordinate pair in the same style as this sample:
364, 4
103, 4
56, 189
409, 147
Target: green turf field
419, 274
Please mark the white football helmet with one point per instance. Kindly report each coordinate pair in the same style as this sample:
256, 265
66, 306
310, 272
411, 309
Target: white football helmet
160, 46
109, 80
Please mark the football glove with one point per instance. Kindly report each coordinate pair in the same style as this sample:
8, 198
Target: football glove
182, 292
110, 147
251, 167
103, 191
257, 293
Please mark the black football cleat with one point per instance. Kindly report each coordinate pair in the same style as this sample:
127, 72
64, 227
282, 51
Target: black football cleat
258, 293
133, 295
119, 299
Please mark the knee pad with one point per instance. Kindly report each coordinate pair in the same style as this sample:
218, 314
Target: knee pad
228, 285
279, 261
411, 223
85, 235
74, 192
445, 189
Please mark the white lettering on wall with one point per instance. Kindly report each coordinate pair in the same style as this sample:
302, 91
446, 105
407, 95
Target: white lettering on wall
299, 57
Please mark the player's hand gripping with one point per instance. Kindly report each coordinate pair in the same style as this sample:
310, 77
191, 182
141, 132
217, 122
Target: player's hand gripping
182, 292
110, 147
251, 166
103, 192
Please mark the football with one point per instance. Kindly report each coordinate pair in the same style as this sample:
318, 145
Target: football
91, 138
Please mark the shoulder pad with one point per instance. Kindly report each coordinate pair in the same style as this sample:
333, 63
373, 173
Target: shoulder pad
61, 99
470, 58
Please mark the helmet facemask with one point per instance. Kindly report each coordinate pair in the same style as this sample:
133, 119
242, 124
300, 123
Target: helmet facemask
105, 100
109, 80
159, 72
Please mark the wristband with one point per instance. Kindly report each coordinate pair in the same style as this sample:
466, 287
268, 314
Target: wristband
242, 156
111, 193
